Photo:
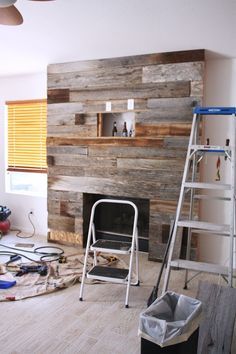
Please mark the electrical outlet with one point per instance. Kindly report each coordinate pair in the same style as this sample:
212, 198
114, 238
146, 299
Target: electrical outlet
108, 106
130, 104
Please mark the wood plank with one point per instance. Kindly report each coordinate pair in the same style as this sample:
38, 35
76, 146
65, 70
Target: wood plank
192, 71
164, 115
83, 161
135, 60
174, 104
157, 246
53, 206
65, 196
54, 171
59, 222
72, 131
175, 129
164, 164
196, 89
63, 150
65, 108
176, 142
159, 90
136, 152
217, 326
117, 141
58, 96
143, 175
71, 209
106, 186
102, 78
79, 226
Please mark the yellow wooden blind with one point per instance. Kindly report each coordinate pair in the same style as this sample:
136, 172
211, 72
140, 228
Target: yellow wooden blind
27, 135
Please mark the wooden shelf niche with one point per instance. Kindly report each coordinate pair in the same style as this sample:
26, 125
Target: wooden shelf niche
106, 121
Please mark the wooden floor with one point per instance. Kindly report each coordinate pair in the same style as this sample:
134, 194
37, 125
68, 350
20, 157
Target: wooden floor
60, 323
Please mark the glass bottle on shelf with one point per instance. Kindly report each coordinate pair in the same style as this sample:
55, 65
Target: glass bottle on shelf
114, 129
125, 131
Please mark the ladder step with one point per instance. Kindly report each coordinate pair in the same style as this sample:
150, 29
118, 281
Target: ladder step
116, 275
200, 266
211, 149
110, 245
211, 197
215, 110
202, 185
202, 225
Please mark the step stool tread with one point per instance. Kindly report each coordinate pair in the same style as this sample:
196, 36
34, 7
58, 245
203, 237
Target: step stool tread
109, 245
108, 272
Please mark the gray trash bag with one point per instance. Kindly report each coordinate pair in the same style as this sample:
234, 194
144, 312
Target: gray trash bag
170, 319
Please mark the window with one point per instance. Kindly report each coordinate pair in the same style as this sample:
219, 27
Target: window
26, 153
27, 136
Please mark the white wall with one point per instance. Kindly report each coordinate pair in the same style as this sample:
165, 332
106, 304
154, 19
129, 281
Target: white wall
21, 88
220, 90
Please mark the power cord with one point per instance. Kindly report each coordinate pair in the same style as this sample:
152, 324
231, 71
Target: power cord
44, 255
18, 231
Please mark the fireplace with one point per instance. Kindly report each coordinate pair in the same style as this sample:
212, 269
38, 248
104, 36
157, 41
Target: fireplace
114, 221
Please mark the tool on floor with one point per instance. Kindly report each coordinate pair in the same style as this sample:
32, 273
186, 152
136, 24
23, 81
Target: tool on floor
4, 284
190, 188
25, 269
128, 248
12, 259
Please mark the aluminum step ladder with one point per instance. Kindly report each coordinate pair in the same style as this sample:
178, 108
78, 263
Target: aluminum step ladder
190, 188
130, 249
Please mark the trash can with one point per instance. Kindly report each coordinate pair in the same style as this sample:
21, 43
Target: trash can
170, 325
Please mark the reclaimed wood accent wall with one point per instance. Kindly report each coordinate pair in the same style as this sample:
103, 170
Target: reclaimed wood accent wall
165, 87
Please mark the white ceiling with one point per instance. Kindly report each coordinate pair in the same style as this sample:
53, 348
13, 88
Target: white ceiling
71, 30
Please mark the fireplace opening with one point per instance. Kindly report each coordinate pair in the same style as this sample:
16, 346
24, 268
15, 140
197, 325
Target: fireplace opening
115, 221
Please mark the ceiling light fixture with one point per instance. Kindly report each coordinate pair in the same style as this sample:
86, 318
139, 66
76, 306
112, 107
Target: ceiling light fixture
9, 15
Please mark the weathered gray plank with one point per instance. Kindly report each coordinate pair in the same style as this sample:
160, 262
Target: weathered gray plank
59, 222
174, 104
165, 164
173, 72
196, 89
102, 78
64, 108
136, 152
107, 186
53, 206
72, 131
216, 329
164, 115
65, 196
72, 209
143, 175
160, 90
72, 150
83, 161
179, 142
68, 171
